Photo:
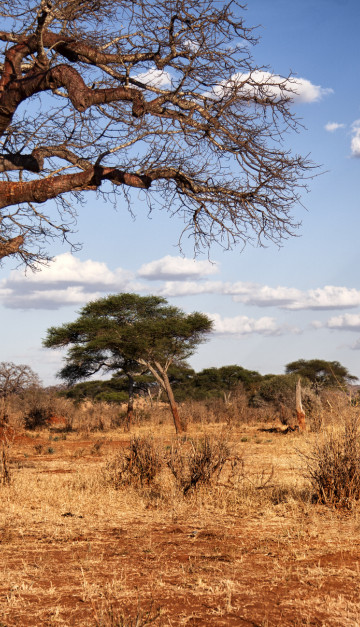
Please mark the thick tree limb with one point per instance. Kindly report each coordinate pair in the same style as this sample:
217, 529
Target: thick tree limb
11, 246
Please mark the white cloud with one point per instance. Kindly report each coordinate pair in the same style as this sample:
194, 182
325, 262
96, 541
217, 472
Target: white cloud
264, 296
242, 325
255, 295
66, 281
70, 281
263, 83
355, 141
333, 126
345, 322
327, 297
191, 45
51, 299
189, 288
176, 269
154, 78
66, 269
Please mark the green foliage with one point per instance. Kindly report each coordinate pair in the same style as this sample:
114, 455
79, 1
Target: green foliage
211, 382
120, 332
114, 390
133, 335
321, 373
277, 390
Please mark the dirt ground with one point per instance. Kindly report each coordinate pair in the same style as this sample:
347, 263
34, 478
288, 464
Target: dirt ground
74, 551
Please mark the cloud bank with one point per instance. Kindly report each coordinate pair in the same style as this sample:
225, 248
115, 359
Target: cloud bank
243, 325
68, 281
176, 269
325, 298
262, 83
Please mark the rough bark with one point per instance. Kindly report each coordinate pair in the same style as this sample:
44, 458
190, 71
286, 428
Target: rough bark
130, 406
161, 377
180, 425
299, 408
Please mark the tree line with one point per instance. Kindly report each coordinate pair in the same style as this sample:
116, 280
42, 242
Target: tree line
144, 343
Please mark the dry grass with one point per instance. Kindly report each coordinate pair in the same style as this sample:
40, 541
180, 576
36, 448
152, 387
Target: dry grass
249, 547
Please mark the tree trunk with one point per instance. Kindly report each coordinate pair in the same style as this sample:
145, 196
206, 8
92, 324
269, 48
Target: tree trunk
130, 406
180, 425
299, 408
161, 377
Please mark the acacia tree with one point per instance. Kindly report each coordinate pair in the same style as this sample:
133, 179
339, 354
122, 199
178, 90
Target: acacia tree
132, 334
14, 378
322, 373
157, 95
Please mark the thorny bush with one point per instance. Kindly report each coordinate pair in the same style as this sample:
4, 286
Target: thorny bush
333, 467
194, 462
138, 465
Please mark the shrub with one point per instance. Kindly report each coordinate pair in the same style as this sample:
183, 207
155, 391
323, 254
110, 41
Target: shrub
333, 467
193, 462
138, 465
4, 466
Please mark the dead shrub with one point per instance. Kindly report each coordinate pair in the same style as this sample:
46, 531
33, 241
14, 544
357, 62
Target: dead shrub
194, 462
333, 467
4, 465
107, 613
44, 408
137, 466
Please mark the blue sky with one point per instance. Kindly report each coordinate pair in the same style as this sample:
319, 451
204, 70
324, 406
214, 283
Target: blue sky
270, 306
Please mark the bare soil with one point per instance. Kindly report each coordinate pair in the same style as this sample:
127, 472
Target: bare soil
74, 551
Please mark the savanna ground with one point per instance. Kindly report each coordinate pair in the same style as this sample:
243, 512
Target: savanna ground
250, 548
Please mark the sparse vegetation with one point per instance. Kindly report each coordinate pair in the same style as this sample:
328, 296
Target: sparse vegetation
195, 462
137, 465
190, 524
333, 465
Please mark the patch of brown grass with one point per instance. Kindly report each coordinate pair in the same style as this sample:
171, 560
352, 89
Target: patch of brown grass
248, 547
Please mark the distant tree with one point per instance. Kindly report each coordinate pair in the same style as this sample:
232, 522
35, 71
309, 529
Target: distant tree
278, 390
211, 382
114, 390
14, 379
321, 373
133, 335
182, 380
151, 95
99, 390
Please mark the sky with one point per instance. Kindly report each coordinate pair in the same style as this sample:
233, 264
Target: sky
271, 305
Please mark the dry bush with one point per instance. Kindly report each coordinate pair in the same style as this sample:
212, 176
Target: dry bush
39, 406
108, 614
138, 465
194, 462
234, 411
200, 412
333, 466
91, 416
4, 465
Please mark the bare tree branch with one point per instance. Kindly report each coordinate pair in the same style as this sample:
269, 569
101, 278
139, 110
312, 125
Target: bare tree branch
154, 95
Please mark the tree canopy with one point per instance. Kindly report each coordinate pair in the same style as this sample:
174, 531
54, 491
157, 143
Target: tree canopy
322, 373
161, 96
131, 334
